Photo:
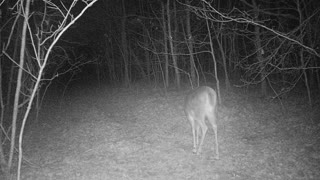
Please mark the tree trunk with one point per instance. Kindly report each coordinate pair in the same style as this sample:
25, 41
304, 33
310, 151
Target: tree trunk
174, 57
124, 46
259, 52
18, 87
224, 60
214, 60
190, 46
165, 39
146, 53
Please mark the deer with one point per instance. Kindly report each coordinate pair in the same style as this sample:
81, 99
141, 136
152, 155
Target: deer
201, 105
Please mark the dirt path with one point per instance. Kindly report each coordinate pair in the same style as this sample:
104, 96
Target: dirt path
122, 134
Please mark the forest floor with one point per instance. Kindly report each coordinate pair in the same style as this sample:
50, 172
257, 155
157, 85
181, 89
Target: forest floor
113, 133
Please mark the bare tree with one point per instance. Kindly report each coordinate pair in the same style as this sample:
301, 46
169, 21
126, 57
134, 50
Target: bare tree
34, 69
190, 46
172, 48
124, 45
275, 42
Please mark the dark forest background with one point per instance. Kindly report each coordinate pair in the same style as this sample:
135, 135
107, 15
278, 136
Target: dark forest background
271, 47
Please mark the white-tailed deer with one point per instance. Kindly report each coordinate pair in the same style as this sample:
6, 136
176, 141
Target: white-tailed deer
201, 104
